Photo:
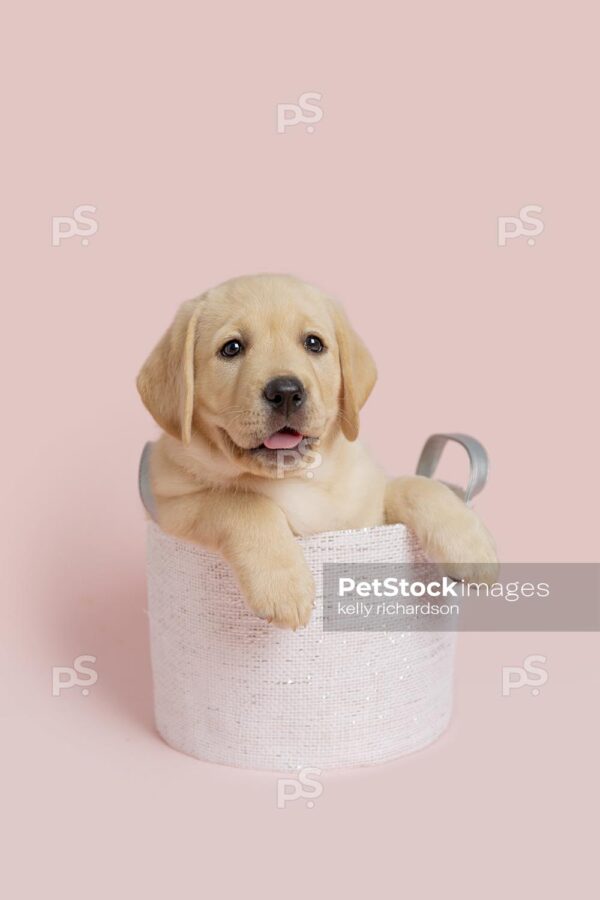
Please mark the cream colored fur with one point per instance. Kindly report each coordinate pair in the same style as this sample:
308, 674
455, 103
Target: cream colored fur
210, 484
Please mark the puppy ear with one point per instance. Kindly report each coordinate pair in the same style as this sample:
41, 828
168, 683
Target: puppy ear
166, 380
358, 371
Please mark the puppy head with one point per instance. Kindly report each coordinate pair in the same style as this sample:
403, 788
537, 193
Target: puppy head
258, 366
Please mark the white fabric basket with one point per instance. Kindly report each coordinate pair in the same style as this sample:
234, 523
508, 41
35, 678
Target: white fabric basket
230, 688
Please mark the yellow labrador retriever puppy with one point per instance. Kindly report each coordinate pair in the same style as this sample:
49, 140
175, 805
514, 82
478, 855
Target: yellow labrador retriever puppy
258, 385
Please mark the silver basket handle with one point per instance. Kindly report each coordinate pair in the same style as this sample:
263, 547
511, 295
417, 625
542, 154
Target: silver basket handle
478, 461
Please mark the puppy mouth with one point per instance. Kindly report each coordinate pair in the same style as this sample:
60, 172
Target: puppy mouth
285, 439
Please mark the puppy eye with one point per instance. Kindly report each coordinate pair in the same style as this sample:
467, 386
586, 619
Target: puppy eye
231, 348
314, 344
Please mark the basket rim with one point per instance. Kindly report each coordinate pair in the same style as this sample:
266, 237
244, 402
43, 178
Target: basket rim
305, 539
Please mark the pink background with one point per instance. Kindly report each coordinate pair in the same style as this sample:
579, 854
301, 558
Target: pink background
438, 118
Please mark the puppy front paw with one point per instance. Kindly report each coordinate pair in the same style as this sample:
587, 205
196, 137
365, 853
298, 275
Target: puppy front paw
464, 548
282, 595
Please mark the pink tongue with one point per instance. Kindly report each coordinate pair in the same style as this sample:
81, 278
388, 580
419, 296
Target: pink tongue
283, 440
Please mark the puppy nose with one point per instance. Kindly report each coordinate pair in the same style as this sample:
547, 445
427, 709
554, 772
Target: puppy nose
285, 394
